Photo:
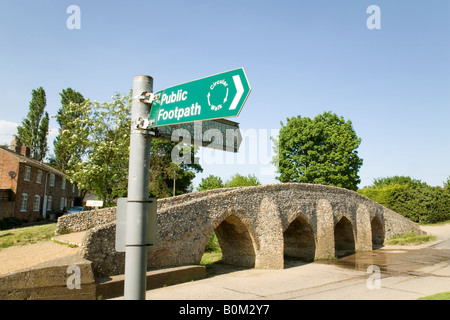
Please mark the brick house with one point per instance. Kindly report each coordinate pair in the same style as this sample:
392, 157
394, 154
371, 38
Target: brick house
31, 190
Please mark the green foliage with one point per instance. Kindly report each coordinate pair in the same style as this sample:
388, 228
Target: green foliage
213, 244
209, 259
411, 198
210, 182
391, 196
237, 180
103, 129
72, 118
162, 169
27, 235
93, 149
399, 180
447, 184
241, 181
213, 252
438, 296
34, 128
322, 150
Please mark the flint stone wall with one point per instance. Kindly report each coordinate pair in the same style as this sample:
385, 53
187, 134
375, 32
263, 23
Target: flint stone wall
81, 221
255, 226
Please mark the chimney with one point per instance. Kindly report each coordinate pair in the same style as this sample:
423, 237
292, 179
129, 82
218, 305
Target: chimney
15, 145
25, 151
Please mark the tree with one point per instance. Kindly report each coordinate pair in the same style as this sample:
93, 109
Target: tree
103, 129
400, 180
322, 150
34, 128
411, 198
72, 118
162, 169
447, 184
210, 182
241, 181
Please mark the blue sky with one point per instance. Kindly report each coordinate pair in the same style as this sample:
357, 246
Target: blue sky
301, 58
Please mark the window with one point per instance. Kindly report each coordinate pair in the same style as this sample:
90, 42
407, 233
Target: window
36, 203
39, 177
73, 188
52, 180
23, 202
61, 204
49, 203
27, 173
63, 184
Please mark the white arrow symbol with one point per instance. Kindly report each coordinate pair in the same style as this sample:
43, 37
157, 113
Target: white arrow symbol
239, 92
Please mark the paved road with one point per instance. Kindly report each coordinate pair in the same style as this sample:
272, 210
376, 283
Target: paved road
443, 245
405, 273
443, 234
313, 281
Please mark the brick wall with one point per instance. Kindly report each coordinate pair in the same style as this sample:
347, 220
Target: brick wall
57, 192
27, 184
6, 209
32, 188
6, 203
8, 163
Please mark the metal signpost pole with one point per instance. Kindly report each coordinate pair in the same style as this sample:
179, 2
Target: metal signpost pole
138, 189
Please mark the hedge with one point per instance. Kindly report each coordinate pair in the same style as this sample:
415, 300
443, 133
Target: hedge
419, 203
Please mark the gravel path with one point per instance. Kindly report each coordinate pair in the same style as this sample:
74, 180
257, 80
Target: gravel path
23, 257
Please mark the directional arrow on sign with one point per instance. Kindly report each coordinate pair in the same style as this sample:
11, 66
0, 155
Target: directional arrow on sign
239, 93
215, 97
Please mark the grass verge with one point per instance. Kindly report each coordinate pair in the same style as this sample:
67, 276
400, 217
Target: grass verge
210, 258
410, 239
435, 224
213, 253
27, 235
438, 296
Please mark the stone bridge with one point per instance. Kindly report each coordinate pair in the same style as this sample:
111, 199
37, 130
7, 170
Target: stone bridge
255, 226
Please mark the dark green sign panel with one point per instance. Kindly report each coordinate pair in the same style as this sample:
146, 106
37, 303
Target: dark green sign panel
220, 134
219, 96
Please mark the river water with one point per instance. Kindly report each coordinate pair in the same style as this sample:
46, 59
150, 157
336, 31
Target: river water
396, 261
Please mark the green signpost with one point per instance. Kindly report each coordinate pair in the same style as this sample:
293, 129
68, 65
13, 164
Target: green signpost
170, 114
214, 97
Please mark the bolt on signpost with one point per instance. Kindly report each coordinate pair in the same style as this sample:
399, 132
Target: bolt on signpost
214, 97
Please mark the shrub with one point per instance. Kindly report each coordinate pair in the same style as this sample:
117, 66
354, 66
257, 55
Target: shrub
213, 244
416, 201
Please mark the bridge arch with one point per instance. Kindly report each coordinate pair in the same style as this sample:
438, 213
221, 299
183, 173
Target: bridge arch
236, 242
344, 237
378, 233
299, 238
